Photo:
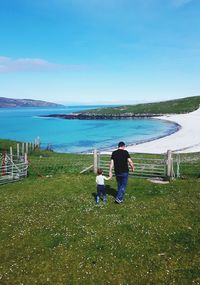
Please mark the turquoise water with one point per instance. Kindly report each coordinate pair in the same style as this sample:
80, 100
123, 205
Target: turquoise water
24, 124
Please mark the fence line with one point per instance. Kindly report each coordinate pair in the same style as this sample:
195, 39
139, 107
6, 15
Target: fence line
15, 167
144, 166
24, 147
28, 147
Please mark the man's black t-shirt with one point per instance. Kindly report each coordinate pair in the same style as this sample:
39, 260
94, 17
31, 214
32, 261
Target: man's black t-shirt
120, 158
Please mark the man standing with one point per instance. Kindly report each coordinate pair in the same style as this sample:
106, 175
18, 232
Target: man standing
121, 160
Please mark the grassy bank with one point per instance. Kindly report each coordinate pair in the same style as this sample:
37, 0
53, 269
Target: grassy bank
178, 106
52, 232
6, 144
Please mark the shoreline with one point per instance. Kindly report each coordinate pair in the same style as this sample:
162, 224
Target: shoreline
108, 150
186, 139
183, 138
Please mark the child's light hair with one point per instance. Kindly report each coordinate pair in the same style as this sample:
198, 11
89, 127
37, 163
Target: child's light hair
99, 171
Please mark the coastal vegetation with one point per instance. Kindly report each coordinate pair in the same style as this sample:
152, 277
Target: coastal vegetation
52, 232
178, 106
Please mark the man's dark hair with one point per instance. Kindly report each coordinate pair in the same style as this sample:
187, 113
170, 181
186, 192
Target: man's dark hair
120, 144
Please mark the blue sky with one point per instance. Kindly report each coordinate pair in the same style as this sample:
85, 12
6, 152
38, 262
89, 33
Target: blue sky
99, 51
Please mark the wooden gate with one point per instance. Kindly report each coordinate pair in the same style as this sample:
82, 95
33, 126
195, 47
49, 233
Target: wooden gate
146, 166
12, 168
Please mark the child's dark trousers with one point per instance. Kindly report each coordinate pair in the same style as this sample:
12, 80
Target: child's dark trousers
101, 190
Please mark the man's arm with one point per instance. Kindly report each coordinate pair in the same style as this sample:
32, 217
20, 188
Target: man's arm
130, 162
111, 167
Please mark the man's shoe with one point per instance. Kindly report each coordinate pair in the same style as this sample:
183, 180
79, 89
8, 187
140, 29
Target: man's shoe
118, 201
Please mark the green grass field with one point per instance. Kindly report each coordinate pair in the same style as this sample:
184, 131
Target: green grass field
52, 231
178, 106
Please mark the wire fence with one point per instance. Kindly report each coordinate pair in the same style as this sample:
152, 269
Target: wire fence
187, 164
59, 164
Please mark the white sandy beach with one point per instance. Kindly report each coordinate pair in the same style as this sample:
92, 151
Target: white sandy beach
186, 139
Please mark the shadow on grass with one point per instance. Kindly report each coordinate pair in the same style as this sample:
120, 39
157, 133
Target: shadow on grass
109, 191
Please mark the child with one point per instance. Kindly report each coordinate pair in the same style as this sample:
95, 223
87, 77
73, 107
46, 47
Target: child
100, 185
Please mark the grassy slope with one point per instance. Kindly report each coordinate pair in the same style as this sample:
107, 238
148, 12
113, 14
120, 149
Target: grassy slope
53, 233
168, 107
6, 144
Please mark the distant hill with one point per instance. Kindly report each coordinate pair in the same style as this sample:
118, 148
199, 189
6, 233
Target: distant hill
13, 103
178, 106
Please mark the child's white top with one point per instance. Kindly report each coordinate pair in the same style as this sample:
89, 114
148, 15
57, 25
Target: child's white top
100, 179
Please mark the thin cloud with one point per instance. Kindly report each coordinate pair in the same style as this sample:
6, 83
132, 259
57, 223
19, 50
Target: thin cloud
180, 3
8, 65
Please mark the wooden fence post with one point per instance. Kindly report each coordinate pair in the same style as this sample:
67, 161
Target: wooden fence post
11, 160
22, 149
17, 150
4, 166
178, 165
27, 147
169, 164
11, 154
35, 144
95, 161
26, 162
98, 159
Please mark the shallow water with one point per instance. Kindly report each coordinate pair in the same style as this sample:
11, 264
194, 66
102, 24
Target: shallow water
24, 124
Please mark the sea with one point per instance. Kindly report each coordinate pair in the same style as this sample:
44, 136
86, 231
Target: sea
77, 136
